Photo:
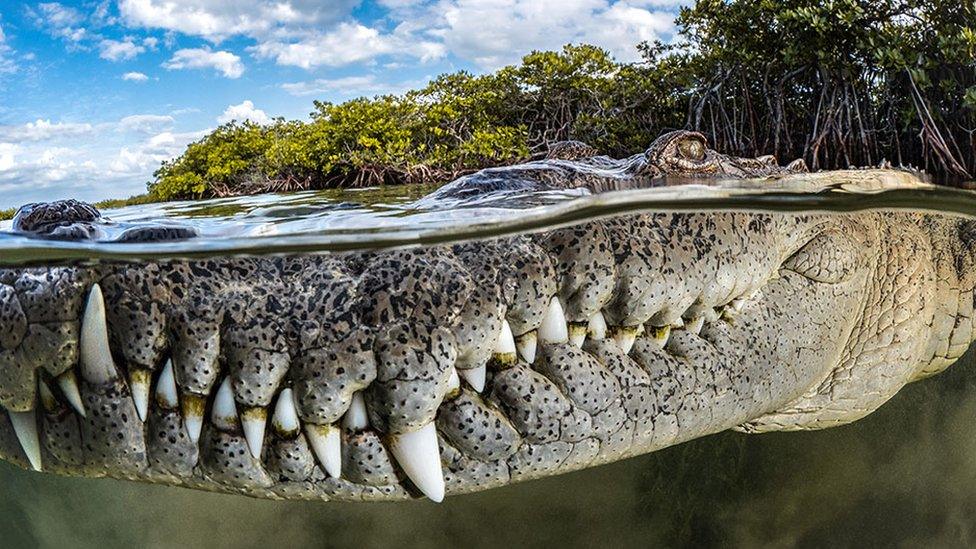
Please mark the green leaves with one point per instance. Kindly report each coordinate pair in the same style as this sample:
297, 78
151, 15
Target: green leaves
835, 77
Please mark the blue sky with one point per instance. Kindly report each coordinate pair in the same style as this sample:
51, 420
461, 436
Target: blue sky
95, 94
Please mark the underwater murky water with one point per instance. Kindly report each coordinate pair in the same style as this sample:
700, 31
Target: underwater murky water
905, 475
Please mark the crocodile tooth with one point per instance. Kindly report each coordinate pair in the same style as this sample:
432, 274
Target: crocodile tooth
505, 352
419, 455
453, 384
553, 327
577, 332
325, 442
475, 377
711, 314
68, 383
47, 397
253, 420
224, 413
526, 344
97, 366
625, 336
25, 427
356, 418
193, 408
695, 325
660, 335
139, 381
597, 327
737, 304
285, 417
166, 395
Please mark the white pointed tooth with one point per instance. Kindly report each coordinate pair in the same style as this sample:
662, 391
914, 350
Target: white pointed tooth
711, 314
505, 351
475, 377
224, 413
68, 383
625, 336
553, 327
419, 455
325, 442
695, 325
193, 409
139, 381
166, 395
597, 328
356, 418
737, 304
453, 382
285, 418
526, 345
96, 357
253, 420
47, 397
577, 333
25, 427
660, 335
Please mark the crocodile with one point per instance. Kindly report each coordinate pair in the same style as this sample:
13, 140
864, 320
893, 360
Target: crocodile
445, 369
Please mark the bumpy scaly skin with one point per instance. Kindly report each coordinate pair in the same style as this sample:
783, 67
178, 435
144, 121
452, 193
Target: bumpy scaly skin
751, 321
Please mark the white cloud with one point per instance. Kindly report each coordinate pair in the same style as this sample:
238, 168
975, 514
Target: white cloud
145, 123
43, 130
7, 65
348, 43
348, 86
143, 158
115, 50
8, 157
224, 62
60, 20
495, 32
216, 20
242, 112
135, 77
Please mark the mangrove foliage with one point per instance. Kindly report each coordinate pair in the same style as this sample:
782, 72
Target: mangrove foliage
837, 82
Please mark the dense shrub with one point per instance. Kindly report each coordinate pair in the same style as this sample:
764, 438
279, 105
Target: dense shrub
838, 82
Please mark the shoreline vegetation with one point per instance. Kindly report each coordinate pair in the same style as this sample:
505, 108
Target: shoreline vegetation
840, 83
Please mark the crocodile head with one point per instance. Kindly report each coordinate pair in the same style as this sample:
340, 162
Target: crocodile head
687, 153
451, 369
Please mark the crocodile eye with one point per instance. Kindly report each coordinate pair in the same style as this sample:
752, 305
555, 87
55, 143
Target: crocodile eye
692, 149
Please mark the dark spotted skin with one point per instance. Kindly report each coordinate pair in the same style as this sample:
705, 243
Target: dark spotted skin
770, 317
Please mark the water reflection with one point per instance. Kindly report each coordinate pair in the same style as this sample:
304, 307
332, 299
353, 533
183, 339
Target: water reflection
906, 475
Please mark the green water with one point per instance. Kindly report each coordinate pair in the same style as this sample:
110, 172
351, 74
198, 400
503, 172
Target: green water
904, 476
